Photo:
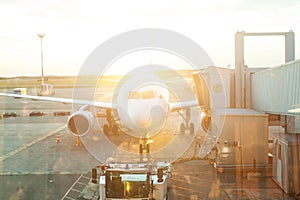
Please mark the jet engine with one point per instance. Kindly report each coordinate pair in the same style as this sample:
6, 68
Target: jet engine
206, 122
80, 122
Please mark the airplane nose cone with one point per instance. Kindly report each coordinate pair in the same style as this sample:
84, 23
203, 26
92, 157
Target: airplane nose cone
158, 115
151, 120
143, 122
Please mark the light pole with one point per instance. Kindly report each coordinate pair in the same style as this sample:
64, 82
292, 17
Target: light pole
41, 36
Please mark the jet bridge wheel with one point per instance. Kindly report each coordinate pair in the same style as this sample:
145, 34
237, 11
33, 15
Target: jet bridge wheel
105, 129
192, 128
113, 128
182, 128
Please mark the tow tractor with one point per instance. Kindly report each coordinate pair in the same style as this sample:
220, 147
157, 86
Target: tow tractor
122, 181
134, 181
140, 180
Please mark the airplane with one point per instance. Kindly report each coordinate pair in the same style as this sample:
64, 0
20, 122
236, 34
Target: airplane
143, 110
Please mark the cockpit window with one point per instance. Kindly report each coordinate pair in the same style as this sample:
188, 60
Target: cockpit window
143, 95
134, 95
147, 94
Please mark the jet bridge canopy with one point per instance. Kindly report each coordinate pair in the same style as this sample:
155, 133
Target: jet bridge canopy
277, 90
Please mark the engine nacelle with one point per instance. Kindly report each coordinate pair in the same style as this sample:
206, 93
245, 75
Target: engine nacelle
206, 121
80, 122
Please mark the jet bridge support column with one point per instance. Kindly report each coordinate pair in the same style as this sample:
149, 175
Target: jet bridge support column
239, 69
289, 46
240, 78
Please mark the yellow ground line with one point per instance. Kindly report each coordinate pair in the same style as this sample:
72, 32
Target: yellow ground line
25, 146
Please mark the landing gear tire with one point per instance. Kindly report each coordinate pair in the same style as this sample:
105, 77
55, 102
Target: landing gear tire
105, 129
141, 148
192, 128
115, 129
144, 148
182, 128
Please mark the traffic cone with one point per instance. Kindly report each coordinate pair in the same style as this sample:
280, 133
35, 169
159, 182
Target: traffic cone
78, 143
58, 139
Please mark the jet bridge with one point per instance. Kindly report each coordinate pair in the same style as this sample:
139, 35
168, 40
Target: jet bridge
225, 97
276, 91
228, 130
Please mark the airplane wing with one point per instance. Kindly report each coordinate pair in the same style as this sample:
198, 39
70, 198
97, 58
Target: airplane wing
182, 105
105, 105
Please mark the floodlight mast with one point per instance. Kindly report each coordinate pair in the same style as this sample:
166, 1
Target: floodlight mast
42, 36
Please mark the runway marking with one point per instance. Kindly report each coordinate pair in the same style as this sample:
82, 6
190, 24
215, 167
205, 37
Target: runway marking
25, 146
38, 173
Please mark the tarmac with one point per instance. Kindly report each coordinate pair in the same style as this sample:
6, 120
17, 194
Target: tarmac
39, 159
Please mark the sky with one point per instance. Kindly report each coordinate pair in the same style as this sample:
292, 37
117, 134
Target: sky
75, 28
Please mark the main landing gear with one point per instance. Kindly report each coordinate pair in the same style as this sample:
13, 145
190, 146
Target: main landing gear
111, 124
187, 124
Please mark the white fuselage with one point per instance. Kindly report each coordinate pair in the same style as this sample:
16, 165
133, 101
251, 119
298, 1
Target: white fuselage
145, 110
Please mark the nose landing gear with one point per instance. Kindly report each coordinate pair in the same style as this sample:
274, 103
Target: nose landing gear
144, 148
190, 127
